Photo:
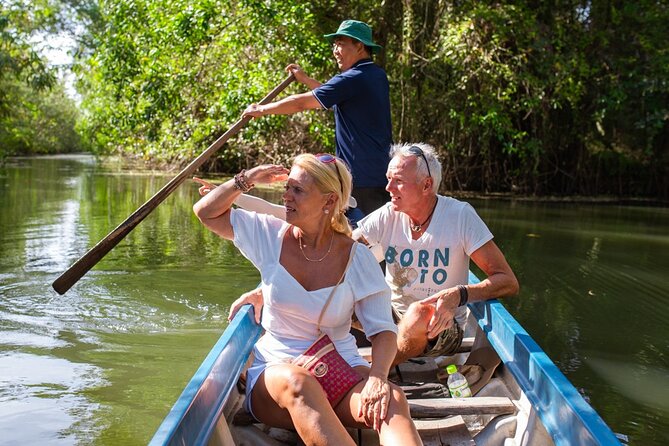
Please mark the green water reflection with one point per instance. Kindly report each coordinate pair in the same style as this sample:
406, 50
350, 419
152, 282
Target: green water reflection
595, 297
105, 362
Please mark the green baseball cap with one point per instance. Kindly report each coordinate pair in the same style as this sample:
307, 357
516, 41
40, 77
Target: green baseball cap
356, 30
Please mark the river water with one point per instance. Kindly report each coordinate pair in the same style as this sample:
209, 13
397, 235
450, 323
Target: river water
104, 363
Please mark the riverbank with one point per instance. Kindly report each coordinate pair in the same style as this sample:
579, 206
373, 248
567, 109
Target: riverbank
127, 165
598, 199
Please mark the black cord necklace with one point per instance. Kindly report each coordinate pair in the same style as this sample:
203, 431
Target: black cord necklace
419, 227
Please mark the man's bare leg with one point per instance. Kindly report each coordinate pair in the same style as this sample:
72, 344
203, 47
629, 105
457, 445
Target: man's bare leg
412, 332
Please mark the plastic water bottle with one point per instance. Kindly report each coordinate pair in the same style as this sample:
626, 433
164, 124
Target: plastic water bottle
459, 388
457, 383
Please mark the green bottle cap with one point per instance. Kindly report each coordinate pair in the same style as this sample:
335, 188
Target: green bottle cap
451, 369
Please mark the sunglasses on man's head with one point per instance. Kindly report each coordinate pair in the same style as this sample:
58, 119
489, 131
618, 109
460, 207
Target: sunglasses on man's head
417, 151
327, 158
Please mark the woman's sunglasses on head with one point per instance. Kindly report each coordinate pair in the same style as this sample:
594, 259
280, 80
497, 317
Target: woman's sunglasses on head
327, 158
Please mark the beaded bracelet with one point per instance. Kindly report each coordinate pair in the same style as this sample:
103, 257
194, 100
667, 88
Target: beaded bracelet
242, 183
464, 295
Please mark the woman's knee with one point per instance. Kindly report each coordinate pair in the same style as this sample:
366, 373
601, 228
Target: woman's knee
290, 384
398, 400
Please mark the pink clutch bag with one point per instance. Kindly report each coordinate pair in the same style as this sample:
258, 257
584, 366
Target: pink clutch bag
334, 374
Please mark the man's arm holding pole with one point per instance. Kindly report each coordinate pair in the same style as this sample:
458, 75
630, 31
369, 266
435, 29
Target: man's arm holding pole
293, 103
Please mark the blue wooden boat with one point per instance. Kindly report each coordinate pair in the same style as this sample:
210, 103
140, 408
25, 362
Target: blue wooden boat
528, 401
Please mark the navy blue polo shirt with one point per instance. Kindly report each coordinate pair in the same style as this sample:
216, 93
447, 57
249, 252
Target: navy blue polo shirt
360, 99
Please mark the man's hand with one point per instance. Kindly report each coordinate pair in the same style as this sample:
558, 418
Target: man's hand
254, 298
445, 302
302, 78
298, 72
253, 111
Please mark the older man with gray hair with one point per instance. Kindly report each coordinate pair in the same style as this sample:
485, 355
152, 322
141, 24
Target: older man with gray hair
427, 240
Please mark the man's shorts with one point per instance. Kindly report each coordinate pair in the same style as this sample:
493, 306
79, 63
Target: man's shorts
447, 343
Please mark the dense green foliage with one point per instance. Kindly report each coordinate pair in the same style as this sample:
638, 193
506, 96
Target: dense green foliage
36, 116
170, 76
17, 56
531, 97
40, 121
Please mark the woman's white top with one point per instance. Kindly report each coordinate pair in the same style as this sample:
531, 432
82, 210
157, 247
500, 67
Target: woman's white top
290, 313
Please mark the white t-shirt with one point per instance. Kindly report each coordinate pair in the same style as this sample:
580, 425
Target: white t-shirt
439, 259
290, 313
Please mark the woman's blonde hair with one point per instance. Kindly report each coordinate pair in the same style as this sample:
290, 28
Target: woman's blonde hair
330, 175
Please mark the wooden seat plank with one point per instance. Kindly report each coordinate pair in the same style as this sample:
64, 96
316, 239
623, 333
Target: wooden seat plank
441, 407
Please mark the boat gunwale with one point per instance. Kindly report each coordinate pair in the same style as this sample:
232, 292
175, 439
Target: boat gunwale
547, 388
194, 415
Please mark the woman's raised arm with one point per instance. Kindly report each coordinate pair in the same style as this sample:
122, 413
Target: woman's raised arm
213, 208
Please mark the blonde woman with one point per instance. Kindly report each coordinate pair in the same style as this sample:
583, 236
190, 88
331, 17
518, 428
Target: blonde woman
301, 260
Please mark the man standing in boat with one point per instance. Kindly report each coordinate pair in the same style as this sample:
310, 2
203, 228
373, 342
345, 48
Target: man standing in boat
428, 240
359, 96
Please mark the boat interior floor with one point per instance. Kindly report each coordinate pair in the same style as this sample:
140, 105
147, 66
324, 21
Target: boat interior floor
490, 417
